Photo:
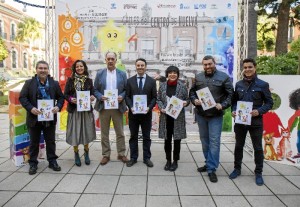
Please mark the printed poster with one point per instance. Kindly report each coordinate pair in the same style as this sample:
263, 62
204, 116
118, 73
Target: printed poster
112, 99
45, 106
174, 107
206, 98
83, 101
139, 104
243, 111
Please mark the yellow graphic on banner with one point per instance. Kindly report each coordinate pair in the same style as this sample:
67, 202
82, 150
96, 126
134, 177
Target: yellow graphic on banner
112, 37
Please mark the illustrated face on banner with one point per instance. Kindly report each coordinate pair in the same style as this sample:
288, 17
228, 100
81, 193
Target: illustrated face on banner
112, 38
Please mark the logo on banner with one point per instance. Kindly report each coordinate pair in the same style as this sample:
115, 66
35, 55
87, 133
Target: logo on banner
213, 6
130, 6
229, 6
166, 6
113, 6
199, 6
183, 6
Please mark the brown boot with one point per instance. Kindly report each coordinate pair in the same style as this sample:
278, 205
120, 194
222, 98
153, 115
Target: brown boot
104, 160
122, 158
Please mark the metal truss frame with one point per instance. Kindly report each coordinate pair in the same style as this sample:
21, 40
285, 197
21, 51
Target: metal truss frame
50, 36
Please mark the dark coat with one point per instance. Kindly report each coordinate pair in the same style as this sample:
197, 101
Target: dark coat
179, 123
220, 87
29, 94
71, 92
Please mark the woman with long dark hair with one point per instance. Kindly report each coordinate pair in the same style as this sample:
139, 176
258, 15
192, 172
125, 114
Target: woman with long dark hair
81, 124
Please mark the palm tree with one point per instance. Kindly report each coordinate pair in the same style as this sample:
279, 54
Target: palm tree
28, 31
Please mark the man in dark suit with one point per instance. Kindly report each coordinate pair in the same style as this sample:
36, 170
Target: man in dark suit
140, 84
41, 86
108, 79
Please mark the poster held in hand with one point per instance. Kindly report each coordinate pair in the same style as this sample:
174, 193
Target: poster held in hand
243, 110
139, 104
112, 99
45, 106
174, 107
206, 98
83, 101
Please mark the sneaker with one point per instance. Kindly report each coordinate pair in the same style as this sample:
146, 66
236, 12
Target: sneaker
235, 173
213, 177
259, 179
32, 169
202, 169
130, 163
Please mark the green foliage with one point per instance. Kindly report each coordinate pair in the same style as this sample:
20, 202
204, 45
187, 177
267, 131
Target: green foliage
295, 46
265, 33
3, 50
227, 121
4, 100
28, 30
276, 100
285, 64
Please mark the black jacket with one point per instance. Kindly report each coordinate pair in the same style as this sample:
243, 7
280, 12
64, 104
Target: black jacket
29, 95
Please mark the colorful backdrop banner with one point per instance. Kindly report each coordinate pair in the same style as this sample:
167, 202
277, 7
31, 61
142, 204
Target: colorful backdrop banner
169, 32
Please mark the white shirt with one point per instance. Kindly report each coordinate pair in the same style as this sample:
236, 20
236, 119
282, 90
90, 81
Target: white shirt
111, 80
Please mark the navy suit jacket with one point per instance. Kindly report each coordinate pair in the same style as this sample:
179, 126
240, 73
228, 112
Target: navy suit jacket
100, 86
149, 89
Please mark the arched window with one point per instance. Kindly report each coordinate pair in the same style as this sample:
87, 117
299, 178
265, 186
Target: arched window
25, 60
13, 59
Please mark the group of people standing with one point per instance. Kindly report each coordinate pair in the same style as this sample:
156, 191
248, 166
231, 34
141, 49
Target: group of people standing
81, 128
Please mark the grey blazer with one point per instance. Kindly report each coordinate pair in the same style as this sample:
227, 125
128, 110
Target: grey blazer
100, 86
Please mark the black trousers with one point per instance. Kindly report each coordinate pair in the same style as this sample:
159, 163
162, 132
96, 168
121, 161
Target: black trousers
256, 137
35, 136
168, 141
135, 121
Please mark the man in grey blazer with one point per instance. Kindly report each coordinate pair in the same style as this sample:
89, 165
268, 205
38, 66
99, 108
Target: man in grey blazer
107, 79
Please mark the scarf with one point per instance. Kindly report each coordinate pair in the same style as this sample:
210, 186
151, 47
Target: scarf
43, 89
173, 83
79, 81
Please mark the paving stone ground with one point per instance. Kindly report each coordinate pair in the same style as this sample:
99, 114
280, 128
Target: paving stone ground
119, 186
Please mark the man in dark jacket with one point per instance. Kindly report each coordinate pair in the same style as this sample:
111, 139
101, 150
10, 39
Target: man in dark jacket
210, 121
41, 87
140, 84
251, 89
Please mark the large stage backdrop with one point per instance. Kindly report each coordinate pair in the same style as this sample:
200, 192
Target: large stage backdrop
169, 32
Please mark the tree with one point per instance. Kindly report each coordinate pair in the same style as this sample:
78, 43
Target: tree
28, 31
295, 47
3, 50
281, 12
266, 33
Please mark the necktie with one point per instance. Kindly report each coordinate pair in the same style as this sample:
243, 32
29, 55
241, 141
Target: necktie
141, 84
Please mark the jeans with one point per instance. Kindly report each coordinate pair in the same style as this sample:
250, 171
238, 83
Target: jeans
210, 129
256, 133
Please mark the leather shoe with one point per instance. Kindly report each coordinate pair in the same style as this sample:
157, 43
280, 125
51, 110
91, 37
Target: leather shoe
149, 163
122, 158
32, 169
174, 166
213, 177
167, 166
130, 163
54, 166
202, 169
104, 160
